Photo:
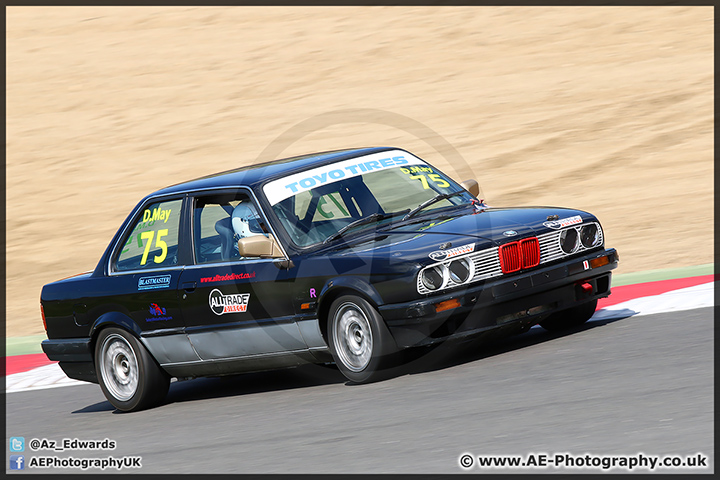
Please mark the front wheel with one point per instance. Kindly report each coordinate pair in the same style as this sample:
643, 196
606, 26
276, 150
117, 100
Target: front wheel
359, 340
570, 318
128, 375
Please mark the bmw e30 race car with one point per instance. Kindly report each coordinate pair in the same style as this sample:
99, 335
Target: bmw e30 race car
348, 256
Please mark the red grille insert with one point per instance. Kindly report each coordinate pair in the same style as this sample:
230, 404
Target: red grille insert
530, 248
515, 256
510, 257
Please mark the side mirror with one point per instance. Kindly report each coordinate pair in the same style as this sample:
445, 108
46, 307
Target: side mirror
471, 186
259, 246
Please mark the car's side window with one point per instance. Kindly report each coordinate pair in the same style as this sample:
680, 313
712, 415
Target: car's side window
220, 220
153, 241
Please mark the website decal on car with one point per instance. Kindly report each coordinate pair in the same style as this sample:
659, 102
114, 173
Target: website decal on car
278, 190
227, 277
221, 303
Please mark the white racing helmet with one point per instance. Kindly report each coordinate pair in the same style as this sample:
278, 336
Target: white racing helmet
245, 220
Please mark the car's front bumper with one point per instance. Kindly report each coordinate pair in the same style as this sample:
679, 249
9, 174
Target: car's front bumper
521, 300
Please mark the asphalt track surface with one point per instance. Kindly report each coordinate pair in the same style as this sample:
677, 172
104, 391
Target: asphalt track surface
611, 387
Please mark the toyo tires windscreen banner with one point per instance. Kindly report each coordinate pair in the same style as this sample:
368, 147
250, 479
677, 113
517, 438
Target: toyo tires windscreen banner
278, 190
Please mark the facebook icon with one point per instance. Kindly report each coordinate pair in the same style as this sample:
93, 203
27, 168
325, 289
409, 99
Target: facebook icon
17, 462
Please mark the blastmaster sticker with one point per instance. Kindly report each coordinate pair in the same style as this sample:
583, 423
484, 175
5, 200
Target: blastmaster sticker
221, 304
564, 222
453, 252
158, 281
278, 190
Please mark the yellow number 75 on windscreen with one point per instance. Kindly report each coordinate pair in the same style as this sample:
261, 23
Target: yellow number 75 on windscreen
434, 177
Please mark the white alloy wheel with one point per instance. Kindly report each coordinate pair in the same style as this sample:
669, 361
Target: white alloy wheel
128, 375
359, 340
119, 367
353, 337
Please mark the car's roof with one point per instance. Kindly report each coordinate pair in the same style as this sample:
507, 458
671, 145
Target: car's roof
252, 175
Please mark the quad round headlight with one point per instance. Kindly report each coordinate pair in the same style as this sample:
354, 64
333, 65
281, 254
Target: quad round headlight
569, 240
433, 277
589, 235
459, 270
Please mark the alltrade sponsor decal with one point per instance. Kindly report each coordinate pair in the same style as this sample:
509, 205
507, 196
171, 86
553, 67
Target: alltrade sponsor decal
221, 303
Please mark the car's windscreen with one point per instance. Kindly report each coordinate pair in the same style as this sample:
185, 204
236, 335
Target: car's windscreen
317, 204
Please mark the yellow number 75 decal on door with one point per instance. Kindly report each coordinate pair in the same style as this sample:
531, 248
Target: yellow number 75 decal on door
161, 244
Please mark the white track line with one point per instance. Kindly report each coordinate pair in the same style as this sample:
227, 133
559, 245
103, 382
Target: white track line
698, 296
47, 376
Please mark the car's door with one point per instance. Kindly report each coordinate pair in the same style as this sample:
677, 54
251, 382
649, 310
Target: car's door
234, 307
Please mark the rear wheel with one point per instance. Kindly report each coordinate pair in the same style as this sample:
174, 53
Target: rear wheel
360, 342
128, 375
570, 318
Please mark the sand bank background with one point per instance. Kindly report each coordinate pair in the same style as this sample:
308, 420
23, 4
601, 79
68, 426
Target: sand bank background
606, 109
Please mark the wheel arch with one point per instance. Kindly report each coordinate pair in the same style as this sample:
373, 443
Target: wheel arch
338, 287
112, 319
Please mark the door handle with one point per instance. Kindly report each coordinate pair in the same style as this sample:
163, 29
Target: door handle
189, 287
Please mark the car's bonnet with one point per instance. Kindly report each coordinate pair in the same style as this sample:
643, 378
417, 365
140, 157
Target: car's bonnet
436, 239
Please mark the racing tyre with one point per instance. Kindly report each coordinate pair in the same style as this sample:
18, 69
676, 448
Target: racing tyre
128, 375
570, 318
360, 343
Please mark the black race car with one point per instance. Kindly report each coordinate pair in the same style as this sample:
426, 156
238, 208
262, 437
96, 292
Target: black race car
347, 256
